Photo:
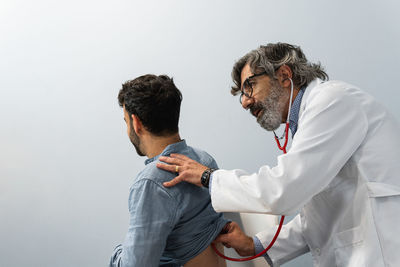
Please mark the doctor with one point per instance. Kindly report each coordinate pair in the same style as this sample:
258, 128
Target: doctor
342, 171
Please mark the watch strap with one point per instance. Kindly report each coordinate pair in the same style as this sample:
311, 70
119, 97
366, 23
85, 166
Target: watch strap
205, 177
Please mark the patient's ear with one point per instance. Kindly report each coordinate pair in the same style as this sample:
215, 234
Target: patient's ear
137, 125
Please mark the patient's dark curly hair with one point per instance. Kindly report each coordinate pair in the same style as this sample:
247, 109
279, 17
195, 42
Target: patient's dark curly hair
155, 100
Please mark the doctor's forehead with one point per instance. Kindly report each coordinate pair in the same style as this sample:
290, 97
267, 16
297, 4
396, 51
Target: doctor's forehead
246, 72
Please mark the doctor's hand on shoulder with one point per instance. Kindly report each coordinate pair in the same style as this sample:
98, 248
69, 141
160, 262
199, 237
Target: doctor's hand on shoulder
233, 237
188, 170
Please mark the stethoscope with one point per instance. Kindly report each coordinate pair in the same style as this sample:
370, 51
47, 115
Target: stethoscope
283, 148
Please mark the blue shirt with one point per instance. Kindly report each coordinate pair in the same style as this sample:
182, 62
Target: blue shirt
294, 112
168, 226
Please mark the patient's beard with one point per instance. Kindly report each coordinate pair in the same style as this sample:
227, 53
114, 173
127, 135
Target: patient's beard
135, 139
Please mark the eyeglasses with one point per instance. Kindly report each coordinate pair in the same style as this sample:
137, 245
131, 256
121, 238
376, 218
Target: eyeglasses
247, 87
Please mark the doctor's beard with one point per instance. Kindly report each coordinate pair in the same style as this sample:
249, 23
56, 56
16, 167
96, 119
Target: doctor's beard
272, 107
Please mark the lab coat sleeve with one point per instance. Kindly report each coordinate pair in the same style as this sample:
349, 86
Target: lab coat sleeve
289, 244
330, 129
149, 226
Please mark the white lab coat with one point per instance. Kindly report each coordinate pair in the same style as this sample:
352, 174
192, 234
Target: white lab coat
342, 171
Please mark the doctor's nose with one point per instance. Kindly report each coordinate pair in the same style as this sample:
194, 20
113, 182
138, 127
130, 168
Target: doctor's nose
246, 101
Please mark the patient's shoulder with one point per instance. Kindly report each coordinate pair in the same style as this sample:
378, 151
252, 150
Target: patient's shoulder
151, 172
203, 157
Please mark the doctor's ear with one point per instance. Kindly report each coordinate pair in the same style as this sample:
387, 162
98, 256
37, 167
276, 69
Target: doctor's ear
284, 73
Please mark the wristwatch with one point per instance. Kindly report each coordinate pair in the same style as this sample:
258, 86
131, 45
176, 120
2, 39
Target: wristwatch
205, 177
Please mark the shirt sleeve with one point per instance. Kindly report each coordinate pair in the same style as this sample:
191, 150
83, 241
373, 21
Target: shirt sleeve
258, 247
213, 164
331, 128
152, 215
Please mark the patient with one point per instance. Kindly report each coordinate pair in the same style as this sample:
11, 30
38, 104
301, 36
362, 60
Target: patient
168, 226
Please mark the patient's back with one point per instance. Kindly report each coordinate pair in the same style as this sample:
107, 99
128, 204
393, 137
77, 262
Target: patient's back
207, 258
195, 223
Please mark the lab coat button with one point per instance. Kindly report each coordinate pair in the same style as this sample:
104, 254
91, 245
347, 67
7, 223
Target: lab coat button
317, 251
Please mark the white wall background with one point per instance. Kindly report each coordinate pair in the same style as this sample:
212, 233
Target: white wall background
65, 161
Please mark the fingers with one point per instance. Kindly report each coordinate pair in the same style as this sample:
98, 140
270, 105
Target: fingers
166, 167
227, 234
230, 227
170, 160
220, 238
227, 227
173, 182
170, 168
225, 239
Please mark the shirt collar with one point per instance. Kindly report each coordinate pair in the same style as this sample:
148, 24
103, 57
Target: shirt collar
172, 148
294, 113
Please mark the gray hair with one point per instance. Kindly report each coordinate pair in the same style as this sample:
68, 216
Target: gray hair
270, 57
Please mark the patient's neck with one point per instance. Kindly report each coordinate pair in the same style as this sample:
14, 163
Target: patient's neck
154, 145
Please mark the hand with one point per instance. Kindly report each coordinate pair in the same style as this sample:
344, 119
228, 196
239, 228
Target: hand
189, 170
234, 237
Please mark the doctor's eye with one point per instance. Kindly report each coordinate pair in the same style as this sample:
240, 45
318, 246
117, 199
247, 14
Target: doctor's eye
247, 88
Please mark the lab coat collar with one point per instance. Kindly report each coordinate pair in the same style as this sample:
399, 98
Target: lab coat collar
307, 92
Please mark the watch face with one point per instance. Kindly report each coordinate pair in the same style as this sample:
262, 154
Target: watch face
205, 178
